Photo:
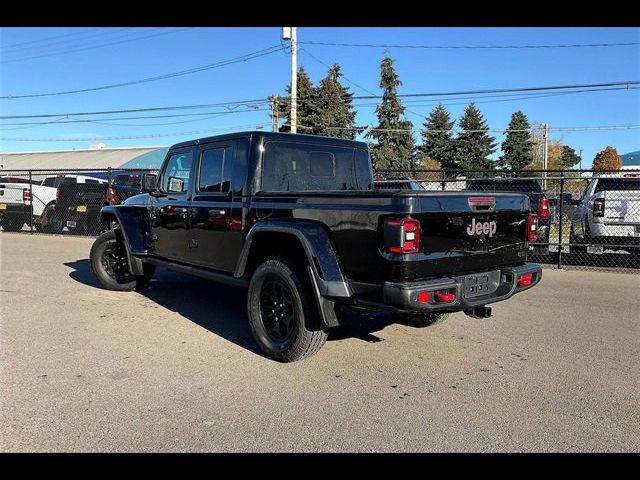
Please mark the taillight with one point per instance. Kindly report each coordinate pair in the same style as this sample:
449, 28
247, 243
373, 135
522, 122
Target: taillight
544, 208
26, 195
402, 235
110, 196
532, 227
525, 280
598, 207
58, 195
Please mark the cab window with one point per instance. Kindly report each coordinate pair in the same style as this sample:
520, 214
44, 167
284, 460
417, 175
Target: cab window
175, 178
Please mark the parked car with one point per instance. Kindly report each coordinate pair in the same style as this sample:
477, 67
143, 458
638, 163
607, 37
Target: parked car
538, 200
608, 215
398, 185
295, 219
78, 204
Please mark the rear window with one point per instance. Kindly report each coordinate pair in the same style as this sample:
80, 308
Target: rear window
514, 185
617, 184
132, 181
295, 167
398, 186
57, 181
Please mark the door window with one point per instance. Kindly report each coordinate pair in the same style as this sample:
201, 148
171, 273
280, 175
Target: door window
175, 178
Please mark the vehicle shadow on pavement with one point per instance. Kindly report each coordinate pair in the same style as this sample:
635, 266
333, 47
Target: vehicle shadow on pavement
222, 309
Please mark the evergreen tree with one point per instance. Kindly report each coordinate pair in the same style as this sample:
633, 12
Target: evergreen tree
335, 107
569, 157
474, 144
607, 159
438, 143
307, 109
394, 139
517, 145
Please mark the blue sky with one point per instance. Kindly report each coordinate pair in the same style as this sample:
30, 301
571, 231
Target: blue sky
67, 60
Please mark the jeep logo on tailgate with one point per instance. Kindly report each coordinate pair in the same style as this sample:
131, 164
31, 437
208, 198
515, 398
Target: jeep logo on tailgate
482, 228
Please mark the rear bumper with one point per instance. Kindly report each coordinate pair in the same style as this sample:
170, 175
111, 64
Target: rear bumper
15, 209
500, 284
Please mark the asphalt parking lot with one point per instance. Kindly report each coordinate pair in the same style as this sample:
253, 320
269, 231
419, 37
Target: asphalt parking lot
176, 369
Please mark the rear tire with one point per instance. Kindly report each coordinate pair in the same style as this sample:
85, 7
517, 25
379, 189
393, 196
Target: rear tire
12, 223
283, 314
51, 220
109, 263
420, 320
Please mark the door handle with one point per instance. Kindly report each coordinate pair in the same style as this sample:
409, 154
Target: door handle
217, 212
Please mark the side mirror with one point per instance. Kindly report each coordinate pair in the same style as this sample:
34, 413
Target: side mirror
149, 182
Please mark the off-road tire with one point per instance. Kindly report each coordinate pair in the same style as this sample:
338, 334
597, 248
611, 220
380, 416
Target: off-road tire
294, 331
110, 267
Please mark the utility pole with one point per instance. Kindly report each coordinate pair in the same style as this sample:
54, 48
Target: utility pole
274, 112
290, 33
545, 154
581, 161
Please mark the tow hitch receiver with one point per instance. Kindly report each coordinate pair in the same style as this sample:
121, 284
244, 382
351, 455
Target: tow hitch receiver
479, 312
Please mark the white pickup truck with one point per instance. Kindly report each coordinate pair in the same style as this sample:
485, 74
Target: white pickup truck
17, 197
608, 215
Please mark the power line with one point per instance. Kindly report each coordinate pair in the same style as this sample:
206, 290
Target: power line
232, 105
343, 75
483, 47
221, 63
501, 130
69, 119
48, 39
172, 134
91, 47
103, 121
253, 126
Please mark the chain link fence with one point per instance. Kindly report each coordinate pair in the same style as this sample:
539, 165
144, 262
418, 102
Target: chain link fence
63, 201
586, 219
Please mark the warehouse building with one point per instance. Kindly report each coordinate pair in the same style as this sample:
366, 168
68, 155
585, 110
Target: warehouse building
94, 158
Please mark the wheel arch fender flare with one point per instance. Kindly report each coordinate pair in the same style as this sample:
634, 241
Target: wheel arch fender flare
135, 229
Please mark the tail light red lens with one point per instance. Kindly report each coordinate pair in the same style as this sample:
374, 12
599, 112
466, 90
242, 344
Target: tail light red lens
110, 196
57, 194
532, 227
544, 208
402, 235
26, 195
525, 280
598, 207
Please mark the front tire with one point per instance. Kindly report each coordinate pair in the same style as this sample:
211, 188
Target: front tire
420, 320
283, 314
109, 263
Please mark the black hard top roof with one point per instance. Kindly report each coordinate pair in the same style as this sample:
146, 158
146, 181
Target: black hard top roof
267, 136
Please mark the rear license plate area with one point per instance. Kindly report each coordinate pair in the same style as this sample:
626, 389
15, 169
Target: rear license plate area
71, 224
480, 284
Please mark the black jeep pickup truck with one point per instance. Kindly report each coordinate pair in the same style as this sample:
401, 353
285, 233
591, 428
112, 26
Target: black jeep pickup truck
295, 219
78, 204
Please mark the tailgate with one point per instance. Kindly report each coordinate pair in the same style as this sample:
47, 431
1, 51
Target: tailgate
621, 207
11, 193
465, 233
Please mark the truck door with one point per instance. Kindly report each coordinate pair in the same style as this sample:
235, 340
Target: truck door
170, 214
215, 234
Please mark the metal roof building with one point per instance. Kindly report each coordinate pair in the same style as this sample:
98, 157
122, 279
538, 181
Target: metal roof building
631, 160
127, 157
